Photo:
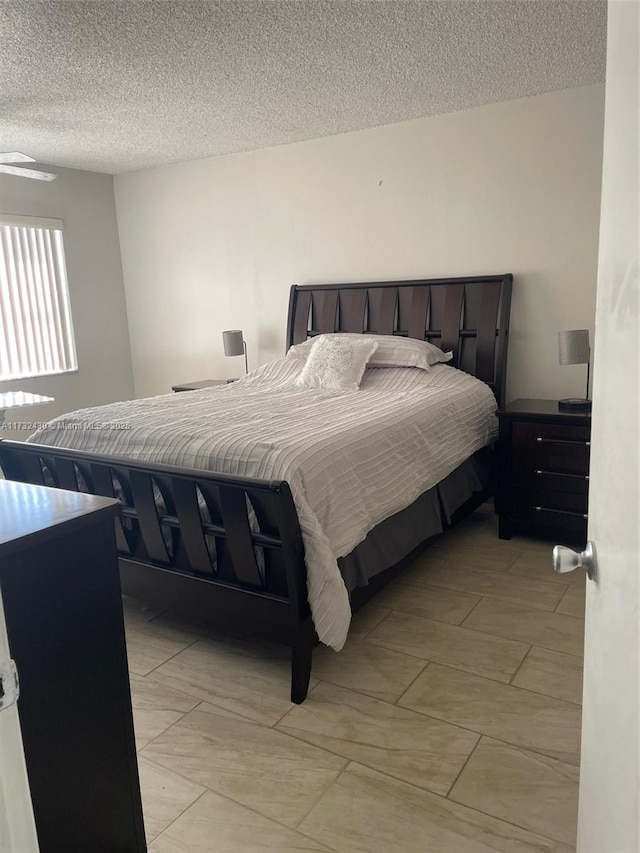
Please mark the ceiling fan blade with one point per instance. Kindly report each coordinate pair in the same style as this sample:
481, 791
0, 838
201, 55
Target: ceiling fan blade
15, 157
28, 173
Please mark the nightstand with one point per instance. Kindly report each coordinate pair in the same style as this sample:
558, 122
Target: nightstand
543, 478
202, 383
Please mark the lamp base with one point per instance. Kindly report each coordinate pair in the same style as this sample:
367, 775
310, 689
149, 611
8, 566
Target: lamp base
575, 404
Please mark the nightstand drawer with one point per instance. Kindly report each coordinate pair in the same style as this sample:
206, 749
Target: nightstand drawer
552, 448
550, 511
525, 498
526, 473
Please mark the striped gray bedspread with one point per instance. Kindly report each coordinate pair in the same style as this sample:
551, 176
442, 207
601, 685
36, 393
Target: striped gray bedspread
351, 459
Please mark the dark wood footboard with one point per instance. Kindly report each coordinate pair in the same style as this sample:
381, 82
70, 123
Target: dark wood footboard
225, 550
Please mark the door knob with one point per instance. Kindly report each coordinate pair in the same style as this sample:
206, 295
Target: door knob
566, 559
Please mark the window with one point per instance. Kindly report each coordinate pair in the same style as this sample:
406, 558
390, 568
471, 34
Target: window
36, 333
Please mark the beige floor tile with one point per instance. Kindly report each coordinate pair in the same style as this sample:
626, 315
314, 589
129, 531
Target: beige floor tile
248, 678
165, 796
452, 645
549, 630
485, 517
365, 620
277, 775
445, 605
538, 561
573, 602
470, 546
533, 791
409, 746
493, 557
177, 620
578, 579
501, 585
215, 824
141, 611
483, 535
479, 550
483, 522
537, 565
367, 668
368, 812
540, 723
150, 644
532, 546
153, 696
156, 707
414, 572
552, 673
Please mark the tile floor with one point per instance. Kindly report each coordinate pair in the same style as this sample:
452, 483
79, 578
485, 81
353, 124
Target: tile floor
450, 722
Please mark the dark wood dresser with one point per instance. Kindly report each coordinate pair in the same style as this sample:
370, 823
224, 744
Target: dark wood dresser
63, 611
544, 471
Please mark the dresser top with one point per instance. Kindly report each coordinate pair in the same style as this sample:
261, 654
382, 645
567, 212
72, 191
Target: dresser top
544, 410
34, 513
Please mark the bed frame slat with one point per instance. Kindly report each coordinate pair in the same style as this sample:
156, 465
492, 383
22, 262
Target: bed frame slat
417, 325
325, 311
352, 310
102, 480
382, 310
66, 478
486, 339
452, 321
86, 473
185, 497
101, 483
26, 470
147, 512
239, 541
299, 322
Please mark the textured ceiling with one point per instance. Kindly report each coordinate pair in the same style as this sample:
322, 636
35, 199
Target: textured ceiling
116, 86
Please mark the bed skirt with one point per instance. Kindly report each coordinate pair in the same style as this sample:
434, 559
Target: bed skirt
399, 535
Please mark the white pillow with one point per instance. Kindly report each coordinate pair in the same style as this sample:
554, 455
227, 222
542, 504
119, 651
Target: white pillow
336, 362
392, 350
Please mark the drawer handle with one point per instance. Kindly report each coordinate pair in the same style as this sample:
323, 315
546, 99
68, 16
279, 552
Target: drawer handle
561, 512
541, 472
572, 441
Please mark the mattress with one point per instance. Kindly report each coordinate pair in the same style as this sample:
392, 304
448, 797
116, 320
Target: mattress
351, 459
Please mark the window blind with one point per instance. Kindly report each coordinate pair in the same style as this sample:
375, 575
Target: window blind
36, 330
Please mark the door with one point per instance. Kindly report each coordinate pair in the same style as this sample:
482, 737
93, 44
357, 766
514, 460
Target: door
609, 820
17, 827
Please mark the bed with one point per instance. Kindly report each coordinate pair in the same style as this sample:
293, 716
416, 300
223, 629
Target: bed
260, 507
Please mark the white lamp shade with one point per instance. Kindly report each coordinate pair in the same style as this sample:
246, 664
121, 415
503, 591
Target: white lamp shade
233, 342
573, 346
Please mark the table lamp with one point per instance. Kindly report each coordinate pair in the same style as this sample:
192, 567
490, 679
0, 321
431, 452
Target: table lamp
573, 348
234, 344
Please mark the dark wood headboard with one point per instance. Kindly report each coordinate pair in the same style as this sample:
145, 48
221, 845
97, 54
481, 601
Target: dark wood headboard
469, 316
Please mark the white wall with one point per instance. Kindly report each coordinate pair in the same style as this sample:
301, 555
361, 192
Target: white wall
512, 187
85, 202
